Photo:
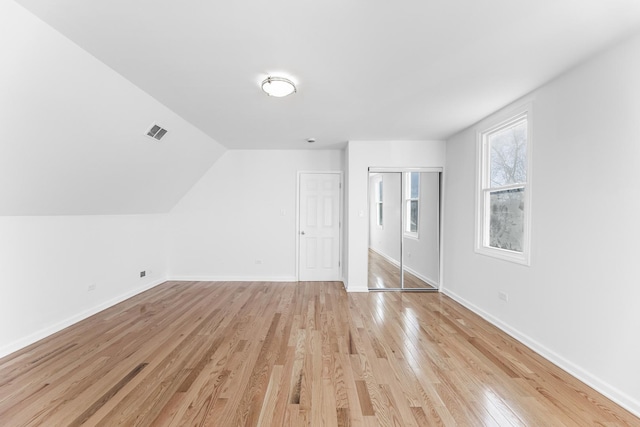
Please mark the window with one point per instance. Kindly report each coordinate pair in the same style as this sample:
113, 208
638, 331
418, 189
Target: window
411, 198
503, 209
379, 204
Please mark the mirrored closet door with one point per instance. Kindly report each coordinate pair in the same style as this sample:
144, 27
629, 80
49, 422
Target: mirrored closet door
404, 229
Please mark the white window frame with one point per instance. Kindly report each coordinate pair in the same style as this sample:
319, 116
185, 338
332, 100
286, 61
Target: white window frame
407, 205
483, 187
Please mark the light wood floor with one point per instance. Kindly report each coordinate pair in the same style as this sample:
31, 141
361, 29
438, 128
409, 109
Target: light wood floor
385, 275
235, 354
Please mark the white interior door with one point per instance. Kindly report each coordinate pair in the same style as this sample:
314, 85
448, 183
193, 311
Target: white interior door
319, 227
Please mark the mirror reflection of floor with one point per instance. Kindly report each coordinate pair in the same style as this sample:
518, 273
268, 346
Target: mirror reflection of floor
384, 274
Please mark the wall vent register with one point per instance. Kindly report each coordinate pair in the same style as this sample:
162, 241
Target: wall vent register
156, 132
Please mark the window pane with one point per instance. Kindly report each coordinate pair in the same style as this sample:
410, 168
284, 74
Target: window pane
380, 214
415, 185
413, 216
507, 219
509, 155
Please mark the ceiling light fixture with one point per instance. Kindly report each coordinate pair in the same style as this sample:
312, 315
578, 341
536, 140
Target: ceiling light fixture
278, 86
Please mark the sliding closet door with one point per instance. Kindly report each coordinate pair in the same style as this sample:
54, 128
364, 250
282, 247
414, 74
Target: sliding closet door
385, 230
404, 229
421, 232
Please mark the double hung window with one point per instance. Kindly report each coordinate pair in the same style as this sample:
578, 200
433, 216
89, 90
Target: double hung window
503, 209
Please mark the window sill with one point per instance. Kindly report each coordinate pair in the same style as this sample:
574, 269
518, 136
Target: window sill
521, 258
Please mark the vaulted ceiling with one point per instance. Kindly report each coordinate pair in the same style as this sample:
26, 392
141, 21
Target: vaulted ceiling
365, 69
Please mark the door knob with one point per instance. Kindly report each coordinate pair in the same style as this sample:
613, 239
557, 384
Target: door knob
302, 232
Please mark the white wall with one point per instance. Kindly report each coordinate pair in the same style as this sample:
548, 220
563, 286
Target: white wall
364, 154
72, 143
241, 211
72, 137
48, 264
577, 303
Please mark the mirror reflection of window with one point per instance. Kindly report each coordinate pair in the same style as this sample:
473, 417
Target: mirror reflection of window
379, 203
412, 203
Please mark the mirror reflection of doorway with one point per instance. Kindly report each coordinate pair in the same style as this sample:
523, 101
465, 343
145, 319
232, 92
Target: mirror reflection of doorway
404, 229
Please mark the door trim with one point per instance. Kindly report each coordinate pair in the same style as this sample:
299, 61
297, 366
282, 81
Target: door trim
340, 219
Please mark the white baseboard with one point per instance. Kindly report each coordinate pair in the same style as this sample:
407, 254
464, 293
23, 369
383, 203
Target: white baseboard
352, 289
50, 330
422, 277
628, 402
346, 287
234, 278
387, 257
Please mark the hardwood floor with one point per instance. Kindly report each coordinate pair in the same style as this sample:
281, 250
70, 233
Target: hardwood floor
271, 354
385, 275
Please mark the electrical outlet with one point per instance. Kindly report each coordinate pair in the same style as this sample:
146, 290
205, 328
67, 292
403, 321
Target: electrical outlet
143, 273
503, 296
92, 287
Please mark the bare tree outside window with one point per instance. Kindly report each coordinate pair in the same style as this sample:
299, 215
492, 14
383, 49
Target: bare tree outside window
508, 176
509, 155
506, 223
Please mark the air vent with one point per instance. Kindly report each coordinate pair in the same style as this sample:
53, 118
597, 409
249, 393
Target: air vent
156, 132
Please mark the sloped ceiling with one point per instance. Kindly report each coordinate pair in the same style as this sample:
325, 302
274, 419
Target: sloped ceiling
80, 82
72, 132
366, 69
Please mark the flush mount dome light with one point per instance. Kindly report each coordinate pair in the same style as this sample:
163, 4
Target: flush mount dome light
278, 86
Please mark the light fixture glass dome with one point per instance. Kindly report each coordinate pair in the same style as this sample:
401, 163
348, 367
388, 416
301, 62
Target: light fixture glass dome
278, 86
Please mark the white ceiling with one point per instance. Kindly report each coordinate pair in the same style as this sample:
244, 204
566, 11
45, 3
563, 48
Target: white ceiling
373, 70
72, 132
